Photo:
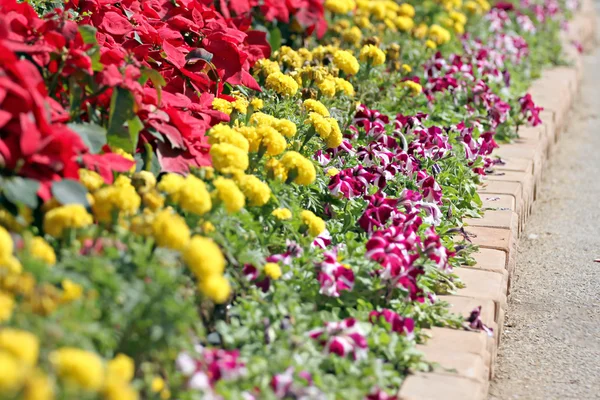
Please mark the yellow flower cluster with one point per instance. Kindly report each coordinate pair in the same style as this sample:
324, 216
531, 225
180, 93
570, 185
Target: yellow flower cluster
439, 35
413, 87
283, 84
316, 106
80, 369
71, 216
340, 6
256, 191
170, 230
7, 259
40, 249
327, 128
119, 199
206, 261
229, 194
272, 270
293, 167
315, 225
282, 214
372, 54
477, 6
346, 62
86, 370
222, 105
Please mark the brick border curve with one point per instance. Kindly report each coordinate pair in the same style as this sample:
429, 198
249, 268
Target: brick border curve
465, 360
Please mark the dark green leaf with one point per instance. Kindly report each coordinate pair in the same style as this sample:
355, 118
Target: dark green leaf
275, 38
157, 81
21, 190
88, 34
121, 112
94, 136
70, 191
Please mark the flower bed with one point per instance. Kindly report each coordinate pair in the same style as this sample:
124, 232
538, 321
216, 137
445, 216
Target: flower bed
246, 199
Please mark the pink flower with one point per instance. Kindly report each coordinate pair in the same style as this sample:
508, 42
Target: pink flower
333, 276
207, 366
344, 338
398, 324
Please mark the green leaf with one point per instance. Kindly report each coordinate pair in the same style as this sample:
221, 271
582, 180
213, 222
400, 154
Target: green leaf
158, 81
70, 191
121, 112
21, 190
275, 38
88, 34
94, 136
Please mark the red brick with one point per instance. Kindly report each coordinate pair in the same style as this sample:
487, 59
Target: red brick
497, 201
432, 386
491, 189
491, 260
484, 285
464, 305
497, 219
460, 341
447, 361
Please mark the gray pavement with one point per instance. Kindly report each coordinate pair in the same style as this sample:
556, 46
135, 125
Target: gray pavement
551, 343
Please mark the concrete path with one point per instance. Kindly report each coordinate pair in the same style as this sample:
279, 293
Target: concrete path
551, 343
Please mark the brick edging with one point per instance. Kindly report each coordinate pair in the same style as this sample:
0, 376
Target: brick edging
465, 360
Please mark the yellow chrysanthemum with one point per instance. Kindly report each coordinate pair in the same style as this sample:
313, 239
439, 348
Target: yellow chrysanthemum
352, 35
6, 244
335, 138
272, 142
121, 368
90, 179
282, 214
121, 198
12, 373
302, 169
342, 85
257, 104
7, 304
194, 196
346, 62
414, 87
226, 157
327, 87
372, 54
203, 257
229, 194
22, 345
340, 6
41, 250
283, 84
170, 185
38, 387
71, 216
71, 291
222, 105
78, 367
320, 124
316, 106
315, 225
272, 270
170, 230
286, 127
256, 191
225, 134
216, 288
407, 10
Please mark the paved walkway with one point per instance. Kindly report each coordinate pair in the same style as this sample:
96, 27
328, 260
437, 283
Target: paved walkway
551, 342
